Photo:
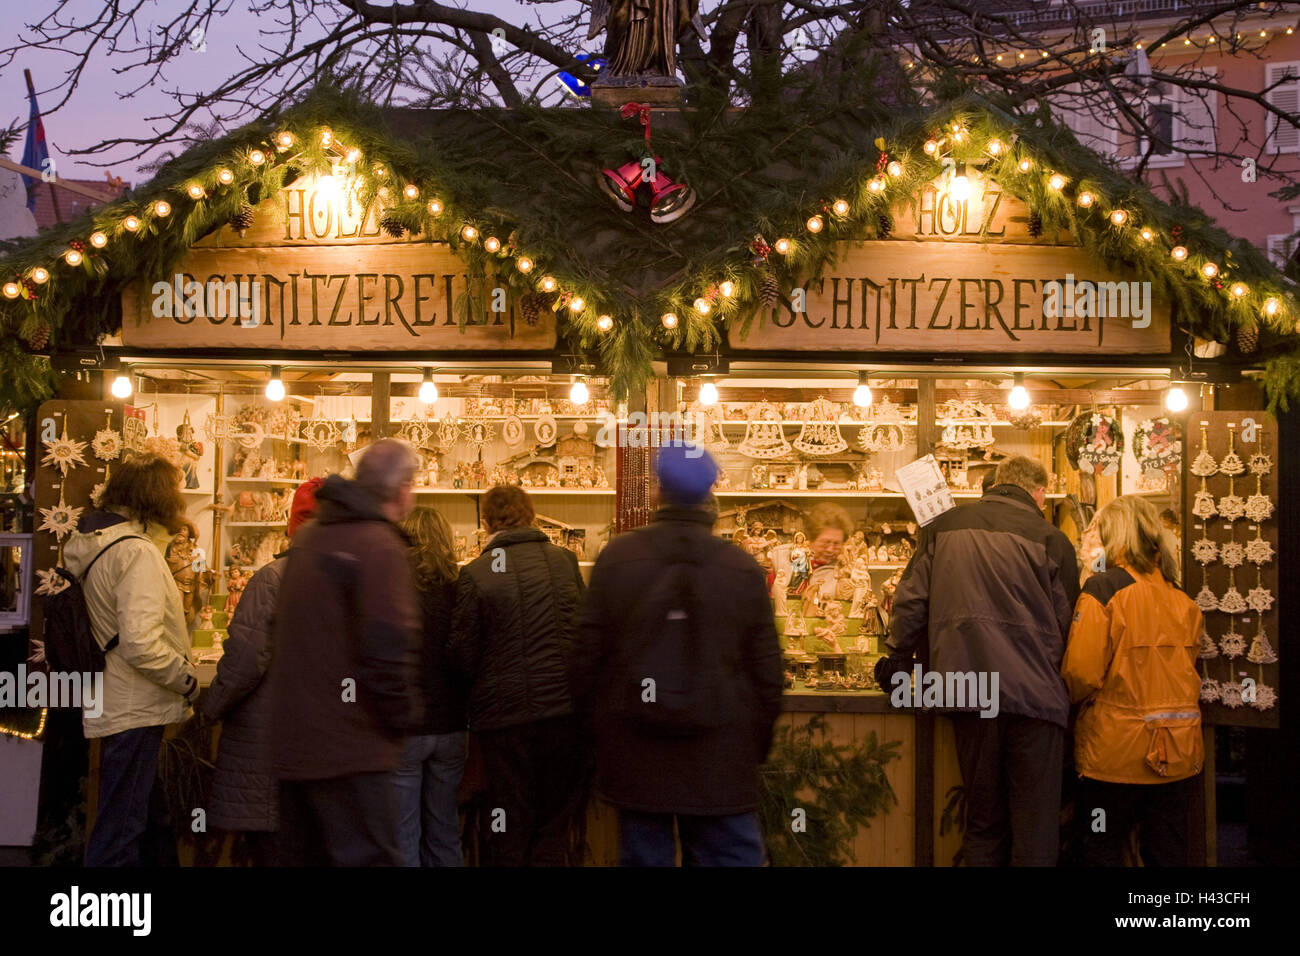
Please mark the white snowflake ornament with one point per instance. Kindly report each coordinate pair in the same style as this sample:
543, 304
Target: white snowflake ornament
64, 453
1230, 695
1204, 550
1260, 599
1233, 644
1265, 697
1260, 464
1259, 507
1258, 551
1232, 554
1231, 507
1210, 690
60, 520
107, 444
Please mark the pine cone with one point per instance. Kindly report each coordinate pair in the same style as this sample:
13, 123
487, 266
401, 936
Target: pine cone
243, 219
1248, 338
1035, 225
884, 225
529, 307
769, 290
391, 225
39, 335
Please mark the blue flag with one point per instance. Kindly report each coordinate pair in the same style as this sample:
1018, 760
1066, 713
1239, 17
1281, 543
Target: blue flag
36, 154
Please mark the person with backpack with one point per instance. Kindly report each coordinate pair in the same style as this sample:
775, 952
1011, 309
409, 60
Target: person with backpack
138, 623
512, 632
678, 667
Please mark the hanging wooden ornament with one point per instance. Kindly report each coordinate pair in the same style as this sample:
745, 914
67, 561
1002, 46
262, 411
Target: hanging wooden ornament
1230, 694
1232, 644
1203, 506
1260, 464
1101, 444
1231, 463
1259, 597
1265, 696
1209, 650
1231, 506
1204, 465
63, 452
883, 431
764, 436
107, 443
1232, 554
1258, 550
703, 428
1205, 551
51, 581
1259, 506
134, 431
546, 430
448, 431
1210, 690
1205, 598
61, 519
323, 433
1232, 602
966, 424
1261, 651
819, 435
217, 428
512, 431
97, 492
1158, 445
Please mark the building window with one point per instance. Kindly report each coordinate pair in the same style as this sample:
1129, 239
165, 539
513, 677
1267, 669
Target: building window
1282, 91
1281, 249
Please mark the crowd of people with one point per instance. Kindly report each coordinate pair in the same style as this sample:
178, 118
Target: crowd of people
359, 661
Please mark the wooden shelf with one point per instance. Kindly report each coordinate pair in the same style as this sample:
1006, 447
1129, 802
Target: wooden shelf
197, 491
265, 481
842, 493
476, 492
255, 524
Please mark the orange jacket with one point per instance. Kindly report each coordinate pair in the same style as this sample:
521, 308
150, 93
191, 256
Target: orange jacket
1131, 660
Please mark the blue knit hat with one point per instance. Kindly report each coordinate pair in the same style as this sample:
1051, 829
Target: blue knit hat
686, 473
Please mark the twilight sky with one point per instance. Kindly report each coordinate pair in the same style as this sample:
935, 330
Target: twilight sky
97, 109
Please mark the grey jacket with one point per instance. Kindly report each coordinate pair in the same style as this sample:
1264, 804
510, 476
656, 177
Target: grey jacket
992, 588
245, 793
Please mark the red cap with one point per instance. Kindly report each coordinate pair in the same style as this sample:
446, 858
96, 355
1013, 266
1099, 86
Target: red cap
304, 504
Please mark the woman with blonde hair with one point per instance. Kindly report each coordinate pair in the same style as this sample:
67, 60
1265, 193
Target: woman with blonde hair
1130, 663
428, 781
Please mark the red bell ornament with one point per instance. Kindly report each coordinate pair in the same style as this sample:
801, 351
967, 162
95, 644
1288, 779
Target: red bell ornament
668, 200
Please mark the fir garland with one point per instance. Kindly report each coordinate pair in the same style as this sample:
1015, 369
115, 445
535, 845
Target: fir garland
509, 189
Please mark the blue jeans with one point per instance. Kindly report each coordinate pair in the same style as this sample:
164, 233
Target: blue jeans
646, 839
428, 783
128, 765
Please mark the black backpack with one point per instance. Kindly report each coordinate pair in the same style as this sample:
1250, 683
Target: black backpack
70, 642
668, 647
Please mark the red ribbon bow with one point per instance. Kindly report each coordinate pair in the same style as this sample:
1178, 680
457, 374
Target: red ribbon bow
640, 110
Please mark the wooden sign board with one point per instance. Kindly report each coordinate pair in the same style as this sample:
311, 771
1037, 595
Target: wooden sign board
987, 214
314, 272
961, 297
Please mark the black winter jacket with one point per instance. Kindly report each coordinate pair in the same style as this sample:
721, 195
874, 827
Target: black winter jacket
245, 793
992, 587
512, 629
714, 772
443, 695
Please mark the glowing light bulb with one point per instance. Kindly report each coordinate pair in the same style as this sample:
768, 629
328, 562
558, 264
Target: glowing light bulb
1179, 253
434, 207
1056, 181
411, 191
428, 390
1176, 399
1210, 270
895, 168
548, 284
1025, 165
275, 387
577, 304
1272, 306
131, 223
285, 139
40, 275
195, 191
578, 394
326, 137
98, 239
162, 209
669, 320
782, 245
840, 207
1086, 199
72, 257
492, 244
11, 290
121, 387
1018, 397
225, 176
995, 147
1239, 289
469, 233
876, 184
814, 224
708, 394
960, 189
931, 147
256, 157
605, 323
862, 396
524, 265
702, 306
1147, 233
727, 288
353, 156
1118, 217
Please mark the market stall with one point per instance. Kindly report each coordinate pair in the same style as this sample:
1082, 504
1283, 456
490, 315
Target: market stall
941, 313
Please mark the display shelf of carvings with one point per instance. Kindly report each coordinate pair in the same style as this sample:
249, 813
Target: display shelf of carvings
575, 492
813, 493
253, 524
265, 481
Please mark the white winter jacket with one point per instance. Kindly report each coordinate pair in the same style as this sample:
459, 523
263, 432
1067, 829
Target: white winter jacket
131, 593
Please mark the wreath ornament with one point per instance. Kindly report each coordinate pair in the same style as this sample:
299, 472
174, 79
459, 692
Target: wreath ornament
1101, 443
